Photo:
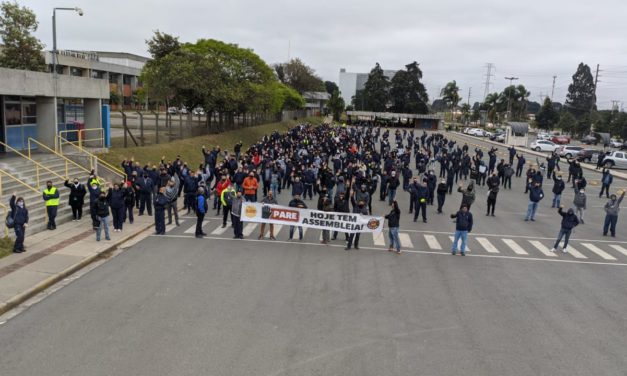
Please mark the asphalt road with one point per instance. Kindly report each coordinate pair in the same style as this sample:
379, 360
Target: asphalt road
176, 305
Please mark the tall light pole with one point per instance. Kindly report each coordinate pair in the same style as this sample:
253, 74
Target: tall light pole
509, 98
54, 64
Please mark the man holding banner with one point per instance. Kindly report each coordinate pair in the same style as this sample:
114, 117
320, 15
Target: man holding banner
297, 203
353, 238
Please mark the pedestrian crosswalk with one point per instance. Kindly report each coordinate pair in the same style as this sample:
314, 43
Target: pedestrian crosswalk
495, 245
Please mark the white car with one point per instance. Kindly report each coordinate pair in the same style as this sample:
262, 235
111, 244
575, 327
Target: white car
569, 151
616, 159
476, 132
543, 136
543, 145
198, 111
616, 143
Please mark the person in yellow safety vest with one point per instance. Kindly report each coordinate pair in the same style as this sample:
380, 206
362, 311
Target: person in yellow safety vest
51, 198
226, 198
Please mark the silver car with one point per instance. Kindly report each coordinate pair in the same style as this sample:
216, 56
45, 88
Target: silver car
616, 159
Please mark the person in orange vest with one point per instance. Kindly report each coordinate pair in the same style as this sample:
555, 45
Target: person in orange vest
221, 185
250, 186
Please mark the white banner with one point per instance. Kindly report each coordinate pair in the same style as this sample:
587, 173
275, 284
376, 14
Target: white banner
283, 215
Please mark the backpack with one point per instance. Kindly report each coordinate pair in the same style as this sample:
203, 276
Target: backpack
10, 220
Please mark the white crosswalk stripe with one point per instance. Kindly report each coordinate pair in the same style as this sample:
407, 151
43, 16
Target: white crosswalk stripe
619, 249
515, 247
601, 253
405, 240
485, 243
460, 244
575, 253
545, 251
172, 226
432, 242
378, 239
220, 230
249, 228
192, 229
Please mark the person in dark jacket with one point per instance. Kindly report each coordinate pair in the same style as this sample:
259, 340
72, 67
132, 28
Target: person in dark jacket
296, 202
145, 187
20, 220
468, 194
394, 218
93, 186
535, 195
463, 225
101, 209
558, 188
569, 221
441, 192
353, 238
340, 205
420, 201
190, 190
77, 198
115, 197
606, 181
161, 201
492, 193
129, 202
612, 207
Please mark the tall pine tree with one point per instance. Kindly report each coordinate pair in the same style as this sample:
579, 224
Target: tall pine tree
581, 98
547, 118
376, 90
408, 94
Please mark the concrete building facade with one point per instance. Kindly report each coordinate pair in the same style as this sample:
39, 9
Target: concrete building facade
350, 82
35, 104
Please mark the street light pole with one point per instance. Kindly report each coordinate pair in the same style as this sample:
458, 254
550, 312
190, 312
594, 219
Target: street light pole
54, 64
509, 98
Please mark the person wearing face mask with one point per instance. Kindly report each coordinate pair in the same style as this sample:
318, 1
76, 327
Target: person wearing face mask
160, 203
353, 237
77, 198
569, 221
236, 214
93, 186
101, 209
115, 197
580, 204
612, 207
51, 198
20, 218
129, 202
145, 187
558, 188
535, 195
441, 192
250, 186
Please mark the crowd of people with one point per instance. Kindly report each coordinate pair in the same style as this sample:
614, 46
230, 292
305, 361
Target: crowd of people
343, 168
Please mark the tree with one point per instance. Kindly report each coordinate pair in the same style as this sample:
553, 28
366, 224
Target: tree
450, 95
466, 112
407, 93
376, 90
336, 105
358, 100
331, 87
299, 76
162, 44
21, 49
547, 118
581, 98
567, 122
114, 98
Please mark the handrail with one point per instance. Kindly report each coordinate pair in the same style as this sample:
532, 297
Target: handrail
67, 160
17, 180
37, 164
80, 136
6, 212
94, 160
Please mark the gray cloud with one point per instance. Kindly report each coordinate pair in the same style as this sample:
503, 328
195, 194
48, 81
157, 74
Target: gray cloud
533, 40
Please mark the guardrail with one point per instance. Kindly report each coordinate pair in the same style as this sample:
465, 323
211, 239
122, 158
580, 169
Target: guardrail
38, 165
67, 160
82, 136
16, 179
94, 162
4, 215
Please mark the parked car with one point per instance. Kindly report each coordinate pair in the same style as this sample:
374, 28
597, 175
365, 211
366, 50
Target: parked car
172, 110
616, 159
477, 132
616, 143
198, 111
466, 130
500, 138
589, 155
589, 140
183, 110
569, 151
543, 145
560, 139
624, 145
543, 136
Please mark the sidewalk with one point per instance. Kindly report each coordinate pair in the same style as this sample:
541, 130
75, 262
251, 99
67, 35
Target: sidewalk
53, 255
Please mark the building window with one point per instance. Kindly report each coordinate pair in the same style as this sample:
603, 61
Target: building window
78, 72
126, 79
12, 113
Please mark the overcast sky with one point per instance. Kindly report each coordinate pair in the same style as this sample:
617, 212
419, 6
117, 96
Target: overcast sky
452, 40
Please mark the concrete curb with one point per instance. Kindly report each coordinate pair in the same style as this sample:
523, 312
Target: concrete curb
616, 174
43, 285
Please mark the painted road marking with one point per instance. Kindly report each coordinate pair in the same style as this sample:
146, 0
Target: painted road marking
515, 247
249, 228
405, 240
192, 229
575, 253
545, 251
619, 249
485, 243
220, 230
172, 226
378, 239
499, 256
433, 242
604, 255
460, 244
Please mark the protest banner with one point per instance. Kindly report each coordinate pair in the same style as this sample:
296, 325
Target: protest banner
333, 221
